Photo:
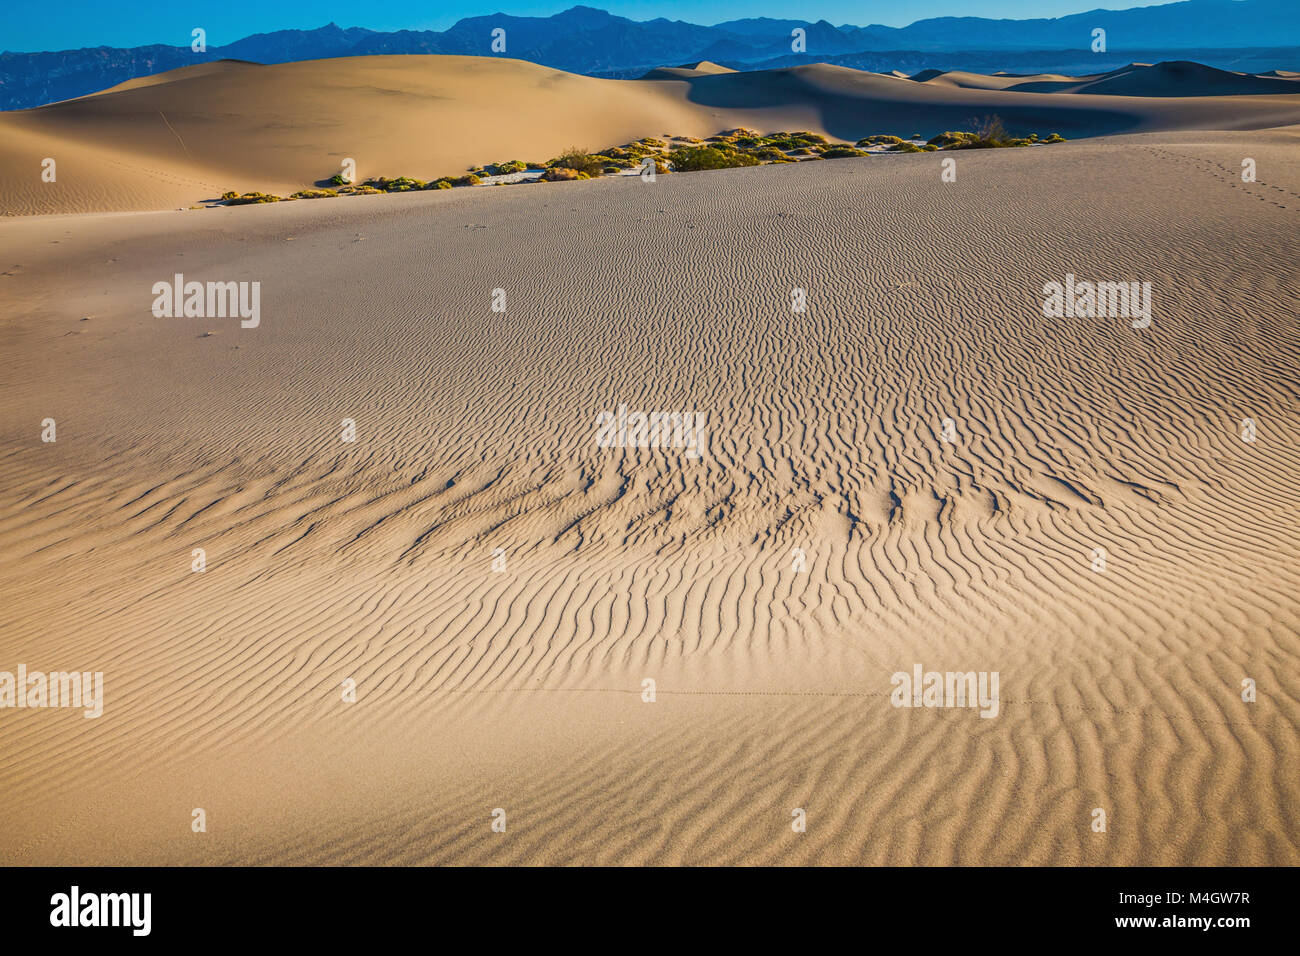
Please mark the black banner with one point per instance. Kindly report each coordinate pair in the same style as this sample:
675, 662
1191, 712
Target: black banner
1217, 906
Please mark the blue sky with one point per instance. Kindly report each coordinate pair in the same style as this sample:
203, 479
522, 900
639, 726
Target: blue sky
70, 24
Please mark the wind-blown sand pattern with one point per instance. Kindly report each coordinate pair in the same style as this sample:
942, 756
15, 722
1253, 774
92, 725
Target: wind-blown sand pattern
522, 689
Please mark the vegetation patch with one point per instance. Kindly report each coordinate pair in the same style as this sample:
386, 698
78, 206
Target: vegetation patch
696, 158
249, 199
725, 150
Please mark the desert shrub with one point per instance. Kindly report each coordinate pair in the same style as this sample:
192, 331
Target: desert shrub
842, 152
651, 141
1055, 138
579, 160
314, 194
558, 174
880, 139
618, 163
928, 148
338, 179
249, 199
500, 169
904, 147
443, 183
402, 184
950, 139
361, 190
230, 195
470, 180
990, 130
695, 158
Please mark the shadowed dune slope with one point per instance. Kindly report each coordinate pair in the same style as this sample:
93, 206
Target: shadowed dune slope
189, 135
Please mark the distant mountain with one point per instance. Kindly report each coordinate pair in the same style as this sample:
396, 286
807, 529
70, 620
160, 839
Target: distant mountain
587, 40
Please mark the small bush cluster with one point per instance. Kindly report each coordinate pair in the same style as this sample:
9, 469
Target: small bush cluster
696, 158
248, 199
989, 133
558, 174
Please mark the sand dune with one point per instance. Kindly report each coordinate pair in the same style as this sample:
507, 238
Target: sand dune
686, 72
521, 688
176, 139
1175, 79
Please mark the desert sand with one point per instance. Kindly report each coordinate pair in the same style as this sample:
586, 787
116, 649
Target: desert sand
520, 686
176, 139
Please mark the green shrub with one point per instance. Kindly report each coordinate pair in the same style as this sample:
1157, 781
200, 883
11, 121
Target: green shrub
842, 152
251, 198
338, 179
314, 194
579, 160
1055, 138
230, 195
558, 174
950, 139
696, 158
501, 169
904, 147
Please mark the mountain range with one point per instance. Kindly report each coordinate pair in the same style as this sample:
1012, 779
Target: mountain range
594, 42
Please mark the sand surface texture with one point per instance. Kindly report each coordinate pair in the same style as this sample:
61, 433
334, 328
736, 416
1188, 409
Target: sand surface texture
521, 688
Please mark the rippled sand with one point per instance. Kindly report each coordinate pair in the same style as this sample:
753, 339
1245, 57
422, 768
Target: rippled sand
521, 689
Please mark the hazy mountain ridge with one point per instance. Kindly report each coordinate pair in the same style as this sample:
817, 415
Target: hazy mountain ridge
591, 41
